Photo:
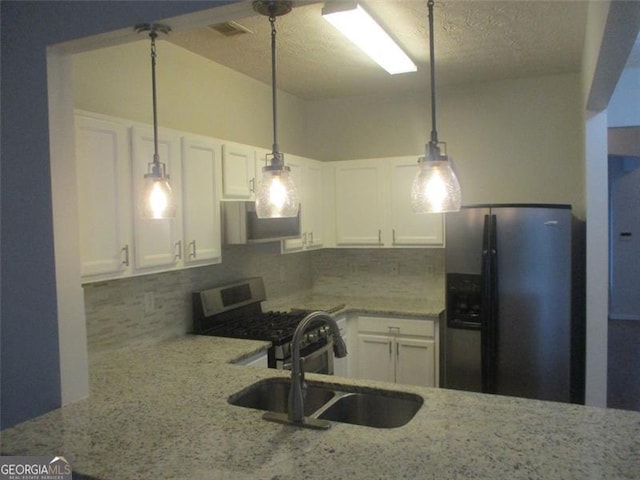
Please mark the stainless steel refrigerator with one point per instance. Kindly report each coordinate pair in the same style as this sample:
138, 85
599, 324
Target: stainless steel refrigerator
514, 321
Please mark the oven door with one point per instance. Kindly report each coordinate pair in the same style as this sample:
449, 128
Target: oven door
316, 359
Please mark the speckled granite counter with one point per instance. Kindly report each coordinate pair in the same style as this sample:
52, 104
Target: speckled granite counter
161, 412
420, 307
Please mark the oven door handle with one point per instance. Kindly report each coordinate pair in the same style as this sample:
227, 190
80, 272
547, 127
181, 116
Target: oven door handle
315, 353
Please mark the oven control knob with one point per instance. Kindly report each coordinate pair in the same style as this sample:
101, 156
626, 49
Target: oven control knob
312, 337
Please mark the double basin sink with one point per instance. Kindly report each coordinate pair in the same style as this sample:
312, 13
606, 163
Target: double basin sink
338, 403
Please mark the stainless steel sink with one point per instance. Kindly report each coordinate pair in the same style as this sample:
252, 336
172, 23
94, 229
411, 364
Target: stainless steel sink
374, 409
345, 404
272, 394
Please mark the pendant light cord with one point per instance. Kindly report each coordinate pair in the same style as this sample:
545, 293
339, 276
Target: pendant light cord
434, 133
276, 147
156, 158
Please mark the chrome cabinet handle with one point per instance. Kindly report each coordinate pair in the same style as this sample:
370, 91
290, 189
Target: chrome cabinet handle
379, 237
125, 249
311, 238
192, 245
393, 236
178, 246
252, 185
304, 238
390, 353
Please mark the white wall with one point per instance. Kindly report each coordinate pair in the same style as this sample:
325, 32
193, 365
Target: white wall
194, 95
624, 107
512, 141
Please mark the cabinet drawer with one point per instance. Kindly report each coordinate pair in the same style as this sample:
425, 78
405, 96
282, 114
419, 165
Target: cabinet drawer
396, 326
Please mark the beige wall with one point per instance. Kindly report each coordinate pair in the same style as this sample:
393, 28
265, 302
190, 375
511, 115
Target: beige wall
194, 95
512, 141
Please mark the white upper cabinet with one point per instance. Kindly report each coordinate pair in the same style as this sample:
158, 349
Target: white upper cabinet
408, 228
373, 205
359, 202
238, 171
157, 241
308, 178
104, 196
200, 209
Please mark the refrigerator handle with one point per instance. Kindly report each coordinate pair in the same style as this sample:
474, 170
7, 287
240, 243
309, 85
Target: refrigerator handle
493, 330
485, 308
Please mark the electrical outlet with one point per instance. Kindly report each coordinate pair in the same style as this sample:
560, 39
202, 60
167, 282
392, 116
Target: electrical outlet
149, 302
353, 268
430, 270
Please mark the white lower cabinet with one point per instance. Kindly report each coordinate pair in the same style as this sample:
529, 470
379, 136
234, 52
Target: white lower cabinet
397, 350
258, 360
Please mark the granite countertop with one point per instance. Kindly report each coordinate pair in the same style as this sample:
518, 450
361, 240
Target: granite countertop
161, 412
410, 307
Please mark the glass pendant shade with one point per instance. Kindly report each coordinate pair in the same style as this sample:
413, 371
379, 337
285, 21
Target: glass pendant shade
277, 196
156, 198
435, 187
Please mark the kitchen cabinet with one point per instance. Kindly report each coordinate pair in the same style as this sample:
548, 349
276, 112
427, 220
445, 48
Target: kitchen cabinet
373, 205
112, 159
258, 360
308, 177
238, 171
201, 212
408, 228
359, 203
157, 241
397, 350
104, 196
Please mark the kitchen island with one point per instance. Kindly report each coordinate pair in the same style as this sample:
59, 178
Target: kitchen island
161, 412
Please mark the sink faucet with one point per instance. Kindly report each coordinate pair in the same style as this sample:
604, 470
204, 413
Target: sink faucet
295, 415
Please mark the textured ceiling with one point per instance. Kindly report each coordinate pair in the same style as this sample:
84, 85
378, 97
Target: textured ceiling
475, 41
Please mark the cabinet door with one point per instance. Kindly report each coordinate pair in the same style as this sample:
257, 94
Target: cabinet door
415, 361
201, 206
238, 171
410, 228
375, 357
157, 241
358, 203
314, 204
296, 164
104, 195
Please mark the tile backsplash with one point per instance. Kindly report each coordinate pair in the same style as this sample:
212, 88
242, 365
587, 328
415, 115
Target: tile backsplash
147, 309
386, 272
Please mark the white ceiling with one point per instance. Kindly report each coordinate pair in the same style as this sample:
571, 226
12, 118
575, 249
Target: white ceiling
475, 41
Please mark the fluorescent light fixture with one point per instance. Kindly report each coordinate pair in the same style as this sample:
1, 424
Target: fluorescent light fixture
358, 26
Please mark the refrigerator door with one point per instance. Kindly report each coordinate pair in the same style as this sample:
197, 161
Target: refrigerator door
461, 365
534, 308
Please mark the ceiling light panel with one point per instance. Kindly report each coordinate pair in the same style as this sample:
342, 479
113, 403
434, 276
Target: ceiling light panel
359, 27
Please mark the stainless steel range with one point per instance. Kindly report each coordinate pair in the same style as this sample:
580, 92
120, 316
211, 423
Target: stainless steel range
234, 310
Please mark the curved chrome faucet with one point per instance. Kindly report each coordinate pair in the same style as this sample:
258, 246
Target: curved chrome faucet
295, 415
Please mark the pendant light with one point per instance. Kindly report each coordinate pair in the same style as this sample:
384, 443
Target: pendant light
277, 195
156, 197
435, 187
